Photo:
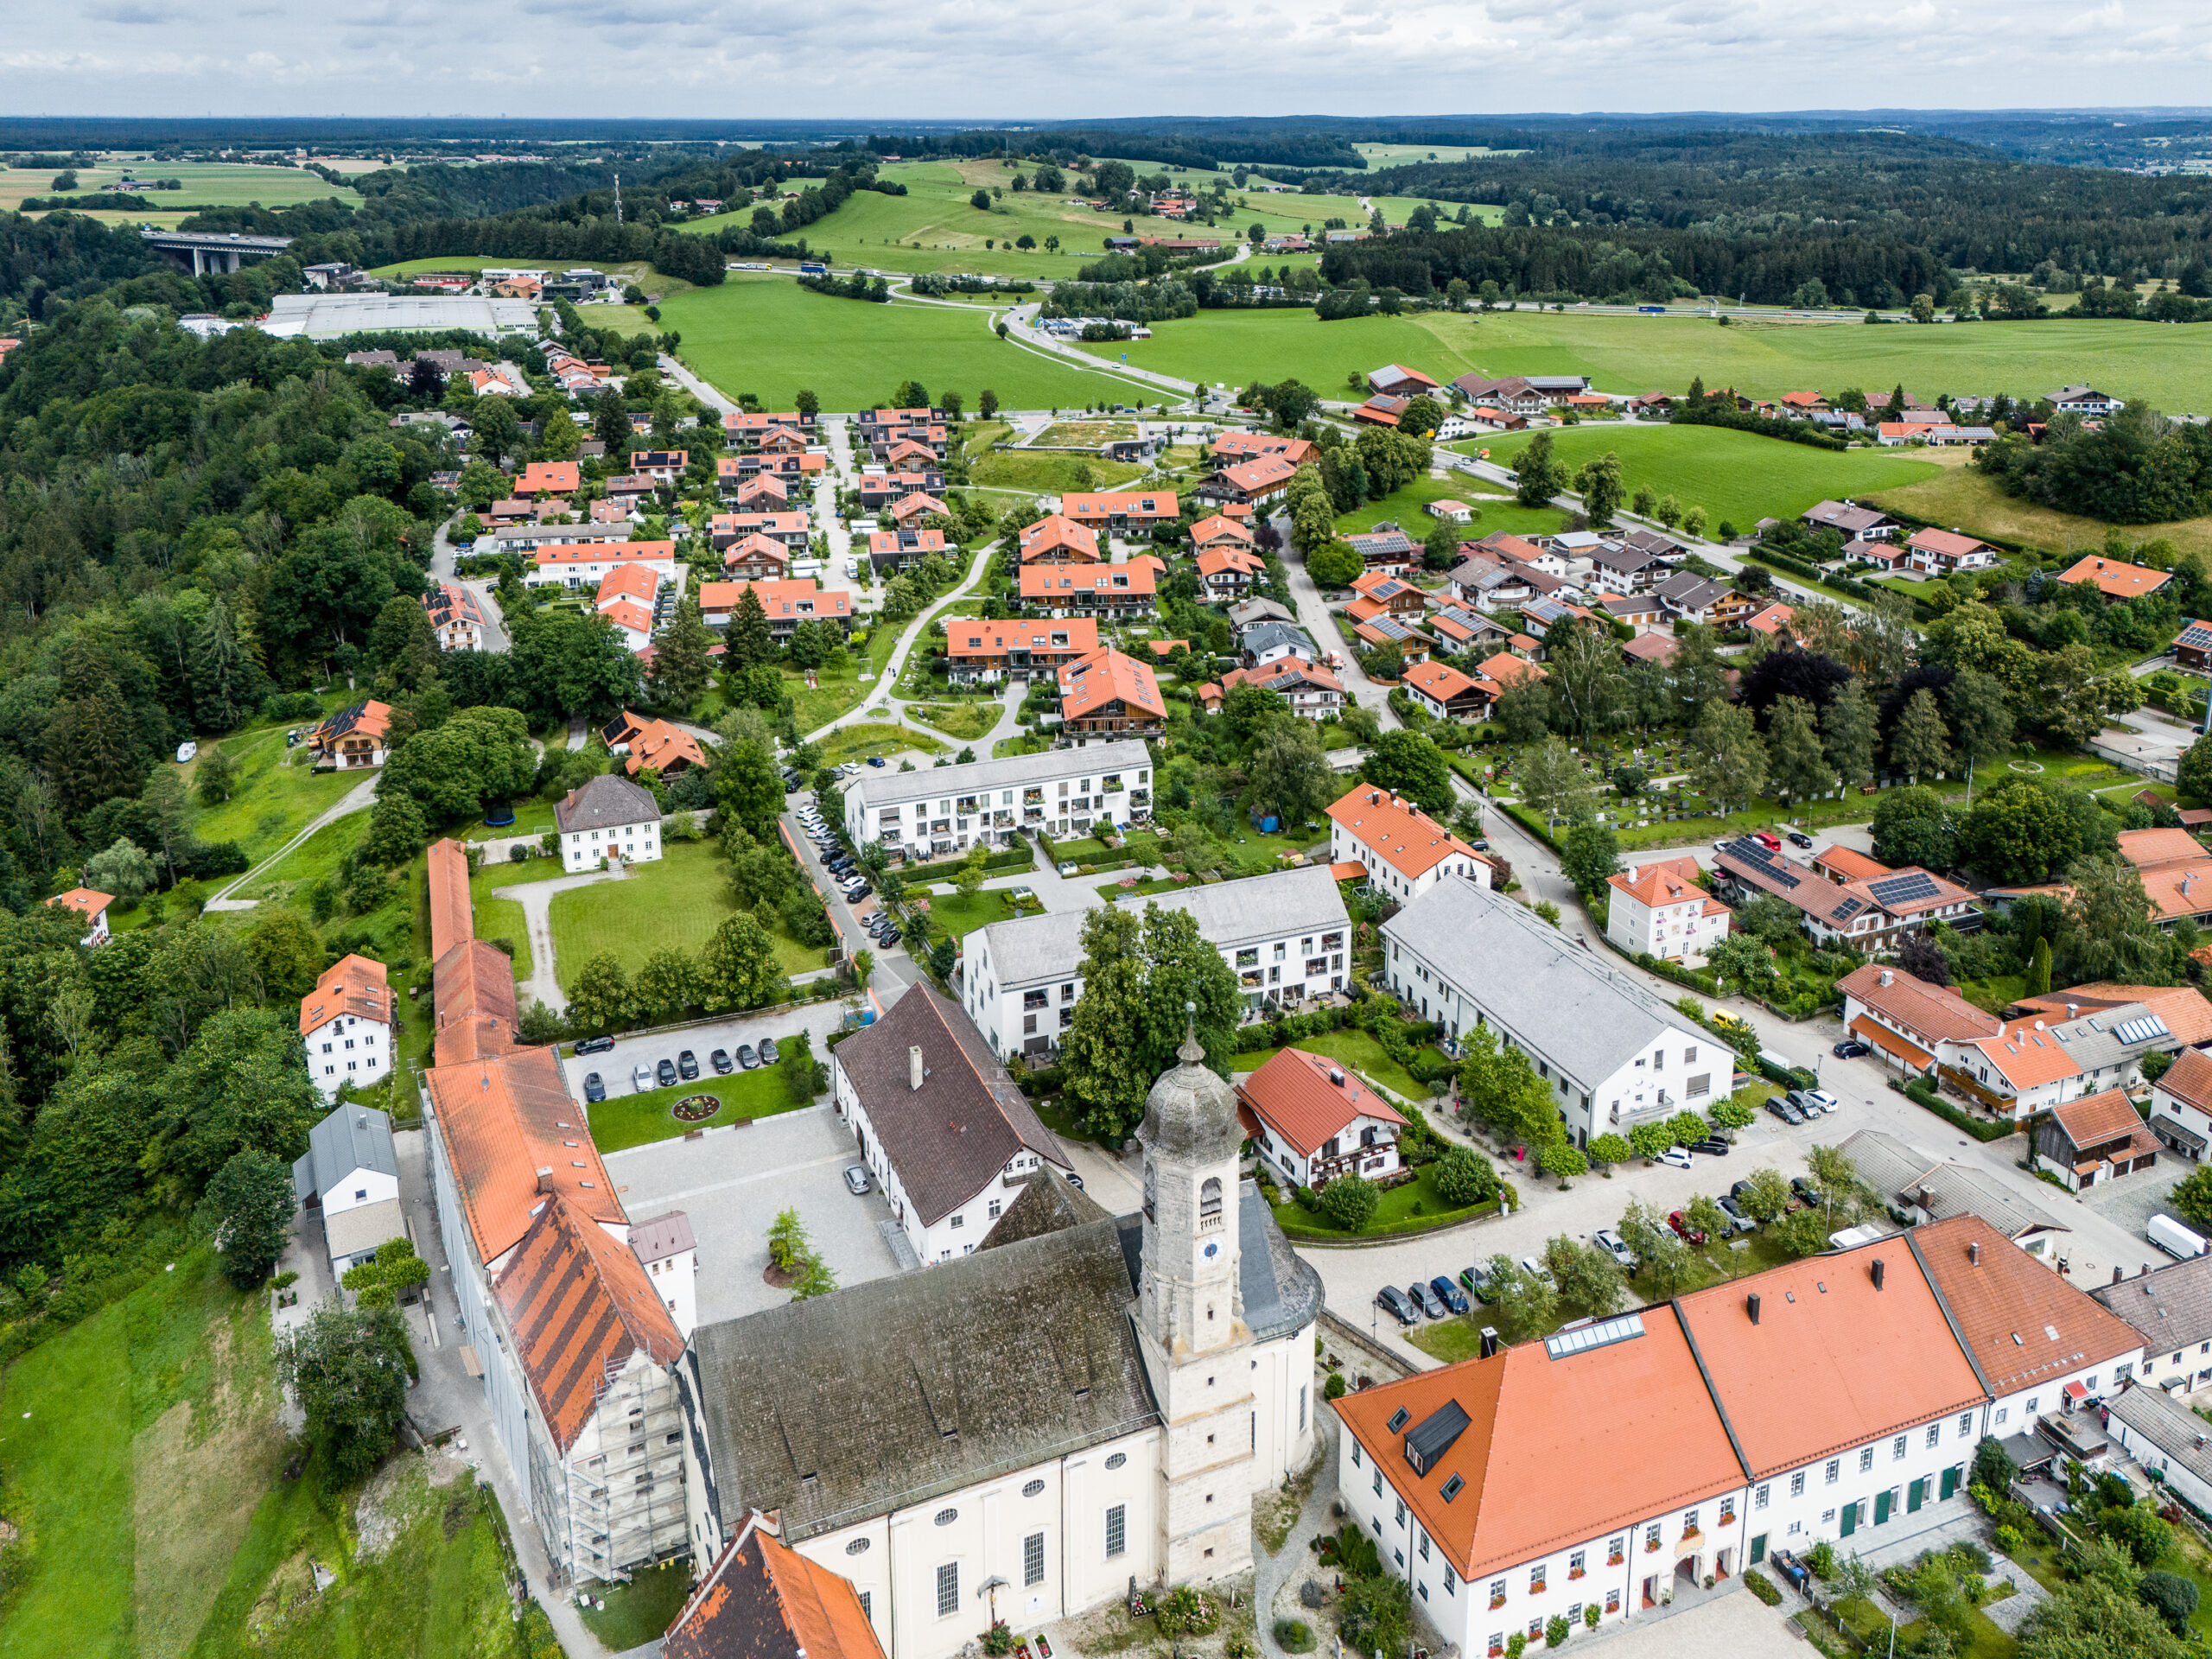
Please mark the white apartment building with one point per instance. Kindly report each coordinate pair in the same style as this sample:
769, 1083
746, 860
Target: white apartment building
1613, 1053
607, 817
942, 812
1840, 1398
1404, 851
346, 1023
1287, 935
586, 565
1658, 909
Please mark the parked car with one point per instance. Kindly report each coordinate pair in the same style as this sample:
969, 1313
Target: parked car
1713, 1146
1820, 1097
1780, 1106
1850, 1049
1805, 1191
596, 1045
1734, 1209
889, 935
1449, 1294
1074, 1179
595, 1088
747, 1057
1767, 839
1533, 1265
641, 1077
1799, 838
1397, 1303
665, 1072
721, 1061
856, 1179
1429, 1301
875, 760
1478, 1281
1683, 1231
687, 1066
769, 1052
1676, 1157
1614, 1245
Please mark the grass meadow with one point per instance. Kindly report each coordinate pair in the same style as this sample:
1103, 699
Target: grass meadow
1957, 494
677, 901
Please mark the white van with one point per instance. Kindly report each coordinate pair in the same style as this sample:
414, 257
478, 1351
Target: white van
2173, 1238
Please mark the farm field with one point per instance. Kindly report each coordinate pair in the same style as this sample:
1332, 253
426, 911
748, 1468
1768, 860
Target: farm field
1738, 476
1408, 509
769, 336
1637, 354
206, 184
1957, 494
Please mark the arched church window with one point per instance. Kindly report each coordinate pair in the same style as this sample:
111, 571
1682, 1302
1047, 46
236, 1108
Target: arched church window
1210, 1196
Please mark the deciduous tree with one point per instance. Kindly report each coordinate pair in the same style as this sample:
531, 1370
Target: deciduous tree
349, 1368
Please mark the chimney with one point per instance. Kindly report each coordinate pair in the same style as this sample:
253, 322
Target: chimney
1878, 1272
1973, 1251
2073, 1008
1490, 1341
546, 1180
914, 1072
2119, 1273
1751, 1307
1886, 979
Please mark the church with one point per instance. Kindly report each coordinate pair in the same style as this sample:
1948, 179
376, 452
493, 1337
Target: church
1019, 1433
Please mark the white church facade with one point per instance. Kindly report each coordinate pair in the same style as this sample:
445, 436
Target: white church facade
1019, 1433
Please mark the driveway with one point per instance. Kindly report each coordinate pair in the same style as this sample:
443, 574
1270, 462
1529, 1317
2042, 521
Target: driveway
360, 799
648, 1049
732, 1182
536, 899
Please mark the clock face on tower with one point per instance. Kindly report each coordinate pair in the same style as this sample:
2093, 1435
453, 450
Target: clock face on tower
1213, 1251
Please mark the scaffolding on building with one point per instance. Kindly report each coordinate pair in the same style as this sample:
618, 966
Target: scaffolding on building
622, 1480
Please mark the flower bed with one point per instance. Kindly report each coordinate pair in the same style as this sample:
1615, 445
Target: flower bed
695, 1108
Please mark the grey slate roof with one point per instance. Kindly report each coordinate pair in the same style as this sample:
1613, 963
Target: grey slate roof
1228, 913
948, 1138
2175, 1430
1688, 591
349, 1139
1252, 611
890, 788
1900, 1171
606, 802
1267, 636
2171, 1306
889, 1393
1533, 981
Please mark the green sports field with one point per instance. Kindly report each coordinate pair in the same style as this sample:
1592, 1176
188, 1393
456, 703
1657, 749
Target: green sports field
1738, 476
2166, 364
769, 336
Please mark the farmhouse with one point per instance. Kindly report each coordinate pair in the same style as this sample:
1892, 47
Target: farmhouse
2095, 1139
606, 819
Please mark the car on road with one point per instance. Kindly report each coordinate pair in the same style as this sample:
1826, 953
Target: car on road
1395, 1302
1850, 1049
1676, 1157
596, 1045
769, 1052
1427, 1301
595, 1088
1713, 1146
687, 1066
721, 1061
747, 1057
641, 1077
1449, 1294
1683, 1231
1614, 1245
1722, 846
1478, 1281
856, 1179
665, 1073
1799, 838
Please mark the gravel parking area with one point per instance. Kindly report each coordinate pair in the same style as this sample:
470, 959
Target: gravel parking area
733, 1181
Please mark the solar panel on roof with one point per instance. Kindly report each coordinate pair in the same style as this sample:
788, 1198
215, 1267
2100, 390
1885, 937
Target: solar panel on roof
1907, 889
2140, 1031
1848, 909
1601, 1334
1771, 864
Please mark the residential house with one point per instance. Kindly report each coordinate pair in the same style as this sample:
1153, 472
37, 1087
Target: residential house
1399, 849
636, 585
1390, 593
346, 1026
1264, 642
607, 820
1312, 692
1386, 547
2170, 1308
756, 558
1380, 411
917, 509
1232, 446
1107, 696
760, 1600
1626, 571
794, 530
1659, 909
662, 466
1804, 402
651, 745
762, 494
1122, 510
1774, 622
2166, 1438
1258, 482
786, 604
2181, 1104
350, 1171
1450, 511
1064, 590
892, 551
2084, 400
2177, 873
985, 651
92, 904
949, 1136
353, 737
1377, 632
1689, 597
1907, 1021
743, 430
1284, 934
800, 471
1651, 648
1871, 913
2094, 1139
944, 811
1917, 1188
1057, 539
1253, 611
1312, 1119
1612, 1053
2114, 578
456, 620
1508, 669
1220, 532
586, 563
1397, 381
1444, 693
1643, 611
1526, 395
541, 479
2192, 646
1852, 522
1460, 629
879, 489
1229, 573
1939, 552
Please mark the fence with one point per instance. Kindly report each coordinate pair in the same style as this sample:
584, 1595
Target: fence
1340, 1334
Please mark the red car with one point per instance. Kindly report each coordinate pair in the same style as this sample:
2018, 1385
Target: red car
1773, 842
1688, 1234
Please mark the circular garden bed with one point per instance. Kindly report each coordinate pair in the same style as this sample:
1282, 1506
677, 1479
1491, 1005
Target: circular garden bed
696, 1108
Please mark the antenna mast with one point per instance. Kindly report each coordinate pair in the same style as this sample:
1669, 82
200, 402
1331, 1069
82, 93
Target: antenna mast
618, 198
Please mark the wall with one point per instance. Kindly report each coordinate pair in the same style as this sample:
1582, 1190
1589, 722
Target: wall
359, 1051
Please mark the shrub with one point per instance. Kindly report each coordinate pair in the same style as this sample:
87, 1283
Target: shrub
1515, 1645
1464, 1176
1347, 1202
1758, 1584
997, 1640
2008, 1540
1591, 1615
1821, 1559
2170, 1596
1184, 1611
1555, 1629
1293, 1635
1334, 1388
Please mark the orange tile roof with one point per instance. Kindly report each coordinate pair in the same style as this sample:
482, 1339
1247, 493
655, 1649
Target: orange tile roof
1851, 864
892, 540
2115, 578
758, 548
473, 993
1053, 584
761, 1600
504, 1119
1508, 669
1771, 619
1440, 681
1535, 1478
2095, 1120
1400, 834
1888, 1042
637, 582
2184, 1007
1260, 474
1090, 683
787, 598
1833, 1361
603, 552
918, 506
548, 478
578, 1301
352, 985
1213, 561
2022, 1323
1308, 1098
87, 902
1663, 881
658, 746
1057, 533
628, 614
2189, 1079
966, 637
1939, 1013
2147, 848
1218, 528
452, 910
1271, 676
2026, 1057
1134, 504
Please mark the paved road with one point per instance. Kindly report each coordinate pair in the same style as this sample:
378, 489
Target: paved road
442, 555
692, 384
1313, 614
895, 968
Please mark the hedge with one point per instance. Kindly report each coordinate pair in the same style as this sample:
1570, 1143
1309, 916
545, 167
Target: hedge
1762, 426
1758, 1583
1923, 1092
1023, 857
1295, 1228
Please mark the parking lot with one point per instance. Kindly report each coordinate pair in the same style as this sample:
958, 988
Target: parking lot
732, 1182
617, 1064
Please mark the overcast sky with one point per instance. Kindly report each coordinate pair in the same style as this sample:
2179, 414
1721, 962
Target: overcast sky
959, 59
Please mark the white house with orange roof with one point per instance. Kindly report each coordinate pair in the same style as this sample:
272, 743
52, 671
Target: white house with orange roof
1403, 851
1057, 539
1228, 572
345, 1024
586, 563
1314, 1119
1312, 692
1444, 693
1658, 909
90, 904
1220, 530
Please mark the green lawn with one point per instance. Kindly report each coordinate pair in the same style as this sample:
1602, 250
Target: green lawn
961, 914
831, 696
1639, 354
315, 859
1359, 1050
677, 901
503, 919
768, 336
1045, 474
627, 1120
1407, 1207
1738, 476
858, 742
964, 720
1408, 508
206, 184
274, 801
640, 1611
1957, 494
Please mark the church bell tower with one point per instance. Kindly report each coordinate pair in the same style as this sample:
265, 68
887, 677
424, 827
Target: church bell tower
1190, 1318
